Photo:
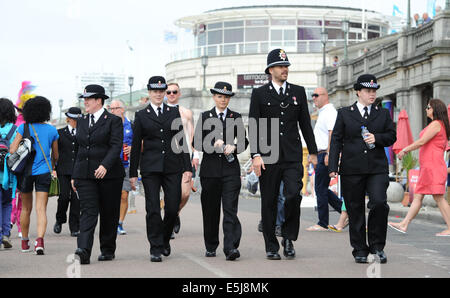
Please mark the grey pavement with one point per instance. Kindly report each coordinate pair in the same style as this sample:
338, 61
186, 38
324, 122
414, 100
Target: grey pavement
319, 254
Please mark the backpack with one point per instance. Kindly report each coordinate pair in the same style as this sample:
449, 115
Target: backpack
4, 146
21, 161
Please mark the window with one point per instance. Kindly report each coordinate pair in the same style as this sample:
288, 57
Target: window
257, 22
374, 27
256, 34
282, 22
371, 35
289, 34
309, 23
233, 35
309, 33
276, 34
335, 34
215, 37
214, 26
201, 39
234, 24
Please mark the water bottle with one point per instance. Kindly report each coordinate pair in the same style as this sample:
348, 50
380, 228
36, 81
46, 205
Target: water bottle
364, 131
229, 157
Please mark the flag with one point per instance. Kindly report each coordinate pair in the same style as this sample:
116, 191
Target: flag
396, 11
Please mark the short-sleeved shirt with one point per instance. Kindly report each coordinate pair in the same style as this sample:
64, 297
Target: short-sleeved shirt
127, 139
47, 135
325, 123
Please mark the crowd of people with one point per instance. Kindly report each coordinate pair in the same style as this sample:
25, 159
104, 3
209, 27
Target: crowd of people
99, 156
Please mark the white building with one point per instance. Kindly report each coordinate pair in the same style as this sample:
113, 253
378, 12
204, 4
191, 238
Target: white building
114, 84
237, 40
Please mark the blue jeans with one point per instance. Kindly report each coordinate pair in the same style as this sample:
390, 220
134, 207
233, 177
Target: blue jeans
324, 195
5, 211
280, 206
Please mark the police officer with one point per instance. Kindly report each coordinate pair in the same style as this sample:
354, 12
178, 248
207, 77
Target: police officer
220, 171
68, 148
163, 161
284, 106
363, 169
98, 174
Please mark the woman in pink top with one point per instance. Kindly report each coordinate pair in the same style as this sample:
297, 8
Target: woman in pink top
433, 170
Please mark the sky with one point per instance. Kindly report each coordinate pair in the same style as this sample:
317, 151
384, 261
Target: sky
50, 42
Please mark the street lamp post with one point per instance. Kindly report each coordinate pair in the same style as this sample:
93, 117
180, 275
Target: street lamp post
324, 40
204, 64
111, 89
130, 83
61, 103
345, 30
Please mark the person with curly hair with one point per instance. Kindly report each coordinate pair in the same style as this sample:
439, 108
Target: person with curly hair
36, 113
8, 181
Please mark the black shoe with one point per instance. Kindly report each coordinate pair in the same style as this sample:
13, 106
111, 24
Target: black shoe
361, 259
232, 255
176, 227
155, 258
83, 255
260, 227
288, 251
210, 254
75, 234
273, 256
166, 251
57, 228
381, 256
103, 257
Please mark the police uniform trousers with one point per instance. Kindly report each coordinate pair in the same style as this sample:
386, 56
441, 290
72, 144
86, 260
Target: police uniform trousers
217, 190
291, 174
99, 197
354, 189
67, 196
159, 230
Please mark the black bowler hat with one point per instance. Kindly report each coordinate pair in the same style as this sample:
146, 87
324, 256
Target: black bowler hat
223, 88
277, 57
157, 83
94, 91
74, 113
366, 81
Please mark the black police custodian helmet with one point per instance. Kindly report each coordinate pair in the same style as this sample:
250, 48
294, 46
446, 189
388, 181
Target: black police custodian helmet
157, 83
277, 57
94, 91
366, 81
223, 88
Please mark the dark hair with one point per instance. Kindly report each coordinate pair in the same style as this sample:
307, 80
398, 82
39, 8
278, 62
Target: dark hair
440, 113
7, 112
37, 110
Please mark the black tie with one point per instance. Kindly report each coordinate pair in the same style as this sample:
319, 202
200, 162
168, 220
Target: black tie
159, 112
366, 113
281, 91
73, 132
92, 120
221, 117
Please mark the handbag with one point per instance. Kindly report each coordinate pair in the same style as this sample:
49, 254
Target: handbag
54, 184
20, 163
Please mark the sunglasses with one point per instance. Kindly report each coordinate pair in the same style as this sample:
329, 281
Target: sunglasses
170, 92
316, 95
428, 107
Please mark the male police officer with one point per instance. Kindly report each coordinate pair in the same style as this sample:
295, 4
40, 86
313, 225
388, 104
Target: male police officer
363, 169
160, 165
286, 104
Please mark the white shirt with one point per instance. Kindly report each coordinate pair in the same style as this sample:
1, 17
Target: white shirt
96, 115
224, 113
325, 123
70, 129
155, 108
361, 108
277, 87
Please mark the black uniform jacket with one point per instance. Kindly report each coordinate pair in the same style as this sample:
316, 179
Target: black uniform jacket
99, 145
67, 148
157, 147
292, 111
347, 139
215, 164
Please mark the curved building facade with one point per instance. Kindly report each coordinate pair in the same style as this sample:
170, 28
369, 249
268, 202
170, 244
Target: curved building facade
236, 41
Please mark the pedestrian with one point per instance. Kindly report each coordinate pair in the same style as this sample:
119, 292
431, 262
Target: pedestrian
98, 175
220, 172
118, 108
418, 21
285, 105
426, 18
322, 133
362, 169
36, 112
432, 178
280, 213
68, 148
8, 181
173, 94
335, 61
163, 162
